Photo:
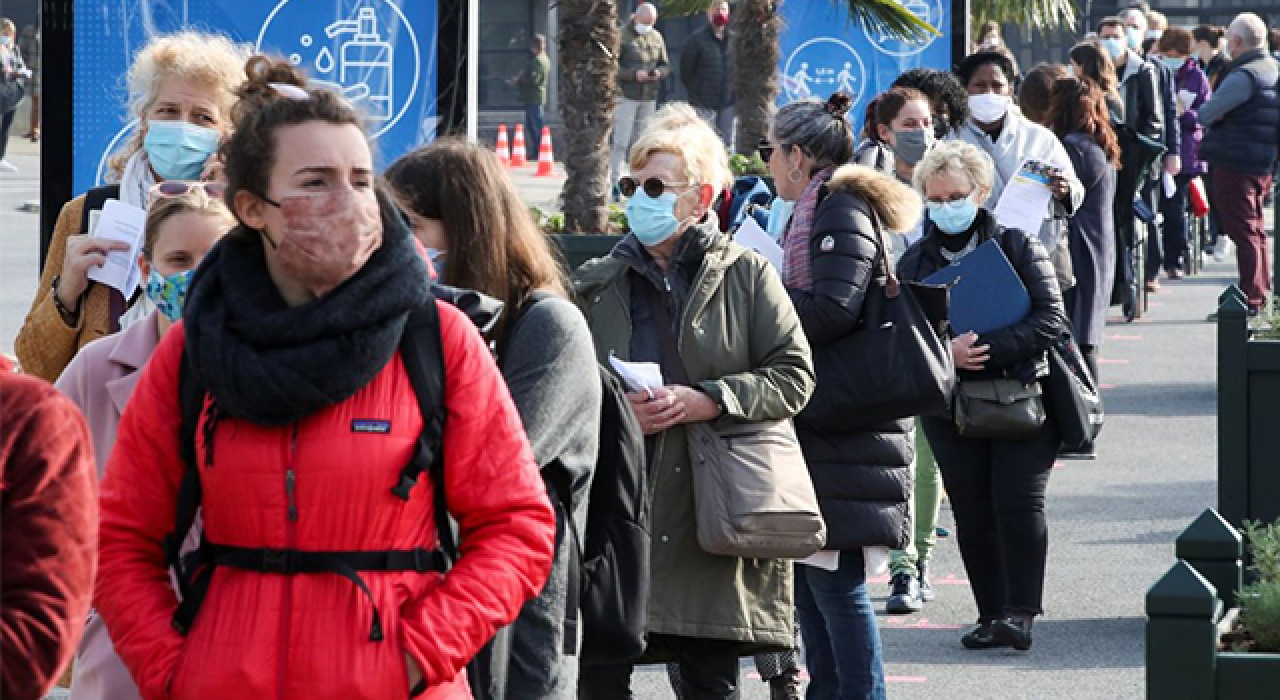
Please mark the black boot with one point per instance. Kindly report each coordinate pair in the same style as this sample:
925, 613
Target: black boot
787, 686
983, 637
1015, 630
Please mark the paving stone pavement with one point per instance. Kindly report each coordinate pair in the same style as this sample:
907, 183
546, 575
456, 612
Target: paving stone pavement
1112, 521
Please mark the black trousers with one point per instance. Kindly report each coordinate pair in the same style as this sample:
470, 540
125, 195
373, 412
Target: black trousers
997, 491
6, 122
708, 670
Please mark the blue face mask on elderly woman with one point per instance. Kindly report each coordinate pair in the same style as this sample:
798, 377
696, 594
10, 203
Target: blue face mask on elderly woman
178, 150
953, 218
653, 219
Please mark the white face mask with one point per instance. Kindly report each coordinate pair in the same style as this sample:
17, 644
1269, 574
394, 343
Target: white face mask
988, 107
643, 29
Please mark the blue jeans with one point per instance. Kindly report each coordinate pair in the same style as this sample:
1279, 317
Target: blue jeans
533, 125
841, 640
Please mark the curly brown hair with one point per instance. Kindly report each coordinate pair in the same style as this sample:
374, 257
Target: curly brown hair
1078, 105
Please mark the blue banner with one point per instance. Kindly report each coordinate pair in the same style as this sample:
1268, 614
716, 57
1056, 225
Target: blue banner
381, 54
822, 52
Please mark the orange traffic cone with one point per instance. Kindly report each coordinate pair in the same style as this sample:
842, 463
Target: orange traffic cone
504, 151
519, 156
546, 158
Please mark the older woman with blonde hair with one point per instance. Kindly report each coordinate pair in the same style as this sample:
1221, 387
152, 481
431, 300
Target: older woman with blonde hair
716, 318
181, 89
996, 485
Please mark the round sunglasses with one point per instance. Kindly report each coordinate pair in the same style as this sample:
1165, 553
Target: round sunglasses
178, 188
651, 186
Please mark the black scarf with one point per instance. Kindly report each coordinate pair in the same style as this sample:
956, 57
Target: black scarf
271, 364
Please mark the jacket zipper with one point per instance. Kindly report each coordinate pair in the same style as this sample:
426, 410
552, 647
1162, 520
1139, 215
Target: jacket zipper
291, 529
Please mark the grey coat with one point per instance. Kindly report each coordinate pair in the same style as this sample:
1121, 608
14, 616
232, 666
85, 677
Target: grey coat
1092, 239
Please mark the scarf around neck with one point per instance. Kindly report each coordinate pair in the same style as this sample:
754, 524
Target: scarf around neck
271, 364
797, 263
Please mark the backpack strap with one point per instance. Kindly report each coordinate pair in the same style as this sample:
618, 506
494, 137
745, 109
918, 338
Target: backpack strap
191, 586
422, 351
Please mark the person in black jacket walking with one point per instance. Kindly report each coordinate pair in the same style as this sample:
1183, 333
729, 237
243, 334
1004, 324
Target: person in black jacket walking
833, 261
997, 487
707, 72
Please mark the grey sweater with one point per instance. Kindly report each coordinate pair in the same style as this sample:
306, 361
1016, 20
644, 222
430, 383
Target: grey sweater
550, 368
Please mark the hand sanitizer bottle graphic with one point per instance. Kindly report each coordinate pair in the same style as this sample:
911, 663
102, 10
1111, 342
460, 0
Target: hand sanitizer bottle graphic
366, 59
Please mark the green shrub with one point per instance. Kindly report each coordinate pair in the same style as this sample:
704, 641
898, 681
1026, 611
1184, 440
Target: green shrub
1260, 602
748, 165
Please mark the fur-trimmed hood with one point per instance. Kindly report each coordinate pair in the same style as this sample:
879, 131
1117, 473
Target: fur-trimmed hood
898, 205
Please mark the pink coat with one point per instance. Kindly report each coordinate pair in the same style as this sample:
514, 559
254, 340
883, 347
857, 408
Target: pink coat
100, 380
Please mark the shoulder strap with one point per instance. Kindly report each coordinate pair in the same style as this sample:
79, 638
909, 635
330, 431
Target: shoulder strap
93, 201
891, 286
671, 362
191, 397
422, 351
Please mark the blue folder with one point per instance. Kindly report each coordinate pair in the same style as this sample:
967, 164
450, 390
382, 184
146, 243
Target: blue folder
987, 294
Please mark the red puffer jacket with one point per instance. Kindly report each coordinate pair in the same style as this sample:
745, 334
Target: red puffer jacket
306, 636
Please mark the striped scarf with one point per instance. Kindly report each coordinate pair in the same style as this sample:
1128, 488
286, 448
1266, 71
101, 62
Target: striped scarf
797, 265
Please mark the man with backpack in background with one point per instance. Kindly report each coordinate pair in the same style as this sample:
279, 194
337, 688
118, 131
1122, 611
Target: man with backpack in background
1240, 146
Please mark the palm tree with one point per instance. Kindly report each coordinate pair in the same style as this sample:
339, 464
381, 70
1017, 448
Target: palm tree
588, 86
1039, 15
754, 37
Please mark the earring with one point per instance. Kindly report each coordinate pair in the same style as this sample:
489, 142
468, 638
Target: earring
795, 175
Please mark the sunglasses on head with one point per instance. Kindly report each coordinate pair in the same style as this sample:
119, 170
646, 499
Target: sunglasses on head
178, 188
765, 149
652, 186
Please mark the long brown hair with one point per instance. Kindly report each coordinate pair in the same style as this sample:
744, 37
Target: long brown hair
494, 246
1078, 105
1096, 65
888, 105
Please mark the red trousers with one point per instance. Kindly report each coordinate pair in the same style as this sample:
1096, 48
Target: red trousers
1238, 198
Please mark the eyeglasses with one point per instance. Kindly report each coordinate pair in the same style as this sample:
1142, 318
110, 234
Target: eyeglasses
651, 186
178, 188
949, 200
765, 149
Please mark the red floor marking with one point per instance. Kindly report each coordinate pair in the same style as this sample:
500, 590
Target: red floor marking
1155, 304
1106, 361
1057, 464
1124, 337
921, 624
1106, 387
905, 679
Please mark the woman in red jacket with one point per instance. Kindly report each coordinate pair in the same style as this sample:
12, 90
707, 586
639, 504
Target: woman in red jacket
293, 326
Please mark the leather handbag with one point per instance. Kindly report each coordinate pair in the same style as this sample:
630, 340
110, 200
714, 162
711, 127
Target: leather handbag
897, 364
1071, 395
753, 497
998, 409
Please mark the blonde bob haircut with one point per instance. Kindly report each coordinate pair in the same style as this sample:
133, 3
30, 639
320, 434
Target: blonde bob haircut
209, 60
957, 157
677, 130
194, 202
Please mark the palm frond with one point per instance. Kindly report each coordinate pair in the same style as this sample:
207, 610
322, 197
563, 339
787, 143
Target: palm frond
1040, 15
888, 15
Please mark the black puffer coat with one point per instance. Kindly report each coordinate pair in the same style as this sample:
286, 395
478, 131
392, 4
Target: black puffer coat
863, 475
1017, 351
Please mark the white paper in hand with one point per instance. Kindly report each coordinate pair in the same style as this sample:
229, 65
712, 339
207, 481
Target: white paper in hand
750, 235
827, 560
1170, 187
124, 223
1186, 98
1024, 203
638, 376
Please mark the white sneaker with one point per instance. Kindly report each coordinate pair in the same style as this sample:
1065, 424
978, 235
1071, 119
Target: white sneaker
7, 167
1222, 249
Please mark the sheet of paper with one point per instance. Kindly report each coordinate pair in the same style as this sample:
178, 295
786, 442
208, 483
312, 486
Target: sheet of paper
750, 235
876, 560
1186, 98
125, 223
827, 560
1168, 185
638, 376
1024, 204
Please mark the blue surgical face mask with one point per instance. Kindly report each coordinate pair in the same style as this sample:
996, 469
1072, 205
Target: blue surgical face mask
178, 150
169, 294
1173, 63
1135, 38
652, 220
1115, 46
953, 218
779, 216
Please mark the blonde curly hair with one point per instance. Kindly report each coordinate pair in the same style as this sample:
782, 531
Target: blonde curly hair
678, 130
957, 157
211, 60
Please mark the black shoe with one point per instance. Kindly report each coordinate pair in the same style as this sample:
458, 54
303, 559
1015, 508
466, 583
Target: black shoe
1086, 453
926, 588
787, 686
983, 637
1014, 631
904, 599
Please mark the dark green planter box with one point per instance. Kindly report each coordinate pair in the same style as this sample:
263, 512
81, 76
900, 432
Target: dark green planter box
1185, 621
1248, 416
577, 248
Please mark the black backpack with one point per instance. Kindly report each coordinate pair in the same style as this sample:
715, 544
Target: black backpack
609, 571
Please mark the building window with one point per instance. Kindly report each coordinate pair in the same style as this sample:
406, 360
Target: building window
505, 29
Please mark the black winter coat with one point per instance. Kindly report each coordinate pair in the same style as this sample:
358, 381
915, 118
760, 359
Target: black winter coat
706, 69
1017, 351
862, 476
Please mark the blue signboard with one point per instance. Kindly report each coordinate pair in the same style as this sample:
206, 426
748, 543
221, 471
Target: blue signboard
380, 54
822, 52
